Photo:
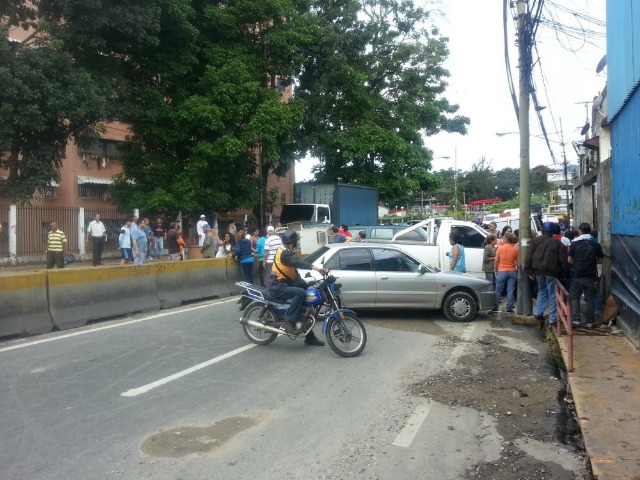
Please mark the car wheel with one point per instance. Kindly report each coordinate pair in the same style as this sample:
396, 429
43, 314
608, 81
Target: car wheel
459, 307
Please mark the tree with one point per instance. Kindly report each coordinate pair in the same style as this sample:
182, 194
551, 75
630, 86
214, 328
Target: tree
372, 86
508, 183
539, 184
206, 112
481, 181
57, 84
46, 101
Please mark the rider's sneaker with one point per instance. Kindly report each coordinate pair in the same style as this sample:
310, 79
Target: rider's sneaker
289, 327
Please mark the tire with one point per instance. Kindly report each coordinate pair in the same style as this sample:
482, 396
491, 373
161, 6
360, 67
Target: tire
346, 337
459, 307
260, 337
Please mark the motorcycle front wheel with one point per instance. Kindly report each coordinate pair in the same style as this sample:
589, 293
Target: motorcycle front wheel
346, 337
256, 335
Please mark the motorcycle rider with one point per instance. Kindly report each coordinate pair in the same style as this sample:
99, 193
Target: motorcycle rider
287, 285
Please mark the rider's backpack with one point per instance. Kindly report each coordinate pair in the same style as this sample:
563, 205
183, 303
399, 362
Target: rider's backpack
584, 258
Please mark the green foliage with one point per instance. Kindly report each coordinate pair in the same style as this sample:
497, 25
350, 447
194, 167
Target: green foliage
372, 86
204, 113
47, 99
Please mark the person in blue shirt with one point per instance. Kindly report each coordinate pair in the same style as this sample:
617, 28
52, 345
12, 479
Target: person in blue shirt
244, 254
260, 254
456, 255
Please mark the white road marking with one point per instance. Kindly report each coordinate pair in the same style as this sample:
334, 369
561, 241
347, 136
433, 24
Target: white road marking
459, 349
107, 327
409, 431
134, 392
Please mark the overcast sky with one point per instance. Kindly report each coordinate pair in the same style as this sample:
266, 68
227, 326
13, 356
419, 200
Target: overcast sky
478, 84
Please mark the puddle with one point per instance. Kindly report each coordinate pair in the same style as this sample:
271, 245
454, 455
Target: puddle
409, 322
183, 441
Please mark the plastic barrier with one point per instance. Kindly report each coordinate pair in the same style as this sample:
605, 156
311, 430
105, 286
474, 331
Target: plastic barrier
23, 304
179, 282
77, 296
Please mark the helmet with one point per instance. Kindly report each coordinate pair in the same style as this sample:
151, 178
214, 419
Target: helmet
548, 227
290, 236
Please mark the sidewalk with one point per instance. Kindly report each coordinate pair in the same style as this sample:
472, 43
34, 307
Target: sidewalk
605, 385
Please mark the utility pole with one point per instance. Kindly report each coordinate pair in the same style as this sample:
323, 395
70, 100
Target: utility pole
525, 28
566, 177
455, 182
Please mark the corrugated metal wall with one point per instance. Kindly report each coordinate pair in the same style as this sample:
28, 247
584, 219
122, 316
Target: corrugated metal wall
625, 168
623, 52
623, 74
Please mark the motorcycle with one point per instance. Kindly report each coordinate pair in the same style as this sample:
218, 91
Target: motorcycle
262, 317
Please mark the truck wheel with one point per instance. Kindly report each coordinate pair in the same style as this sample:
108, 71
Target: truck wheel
459, 307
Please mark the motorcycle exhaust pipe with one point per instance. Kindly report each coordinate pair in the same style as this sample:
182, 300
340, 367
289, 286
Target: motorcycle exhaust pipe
254, 324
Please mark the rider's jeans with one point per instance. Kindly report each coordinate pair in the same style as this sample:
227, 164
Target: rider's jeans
294, 295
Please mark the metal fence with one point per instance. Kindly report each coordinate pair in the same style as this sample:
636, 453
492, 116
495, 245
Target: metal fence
32, 225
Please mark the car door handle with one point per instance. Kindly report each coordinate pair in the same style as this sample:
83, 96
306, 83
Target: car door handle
384, 278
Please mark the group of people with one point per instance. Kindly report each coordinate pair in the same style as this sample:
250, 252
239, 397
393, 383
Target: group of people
575, 258
341, 234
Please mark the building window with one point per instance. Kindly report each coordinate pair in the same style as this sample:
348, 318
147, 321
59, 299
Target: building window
90, 190
102, 152
283, 198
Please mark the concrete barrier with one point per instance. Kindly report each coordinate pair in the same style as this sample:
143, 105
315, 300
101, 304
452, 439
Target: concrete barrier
77, 296
179, 282
23, 304
234, 274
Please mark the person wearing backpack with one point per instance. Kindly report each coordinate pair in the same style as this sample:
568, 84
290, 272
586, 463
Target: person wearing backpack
585, 256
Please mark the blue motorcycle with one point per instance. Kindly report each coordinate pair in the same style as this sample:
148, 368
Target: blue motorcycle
262, 317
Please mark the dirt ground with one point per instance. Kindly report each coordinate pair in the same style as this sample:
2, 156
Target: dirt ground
525, 392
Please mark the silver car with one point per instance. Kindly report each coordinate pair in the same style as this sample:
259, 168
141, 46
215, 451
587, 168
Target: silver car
385, 276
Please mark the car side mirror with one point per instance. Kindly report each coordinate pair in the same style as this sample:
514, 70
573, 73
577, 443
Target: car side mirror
422, 269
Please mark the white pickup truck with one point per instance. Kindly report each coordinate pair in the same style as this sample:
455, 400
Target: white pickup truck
435, 245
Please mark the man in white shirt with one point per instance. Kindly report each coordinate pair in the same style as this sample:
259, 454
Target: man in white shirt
271, 246
97, 232
200, 229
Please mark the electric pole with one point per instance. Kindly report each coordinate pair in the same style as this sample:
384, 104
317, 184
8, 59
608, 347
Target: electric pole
525, 29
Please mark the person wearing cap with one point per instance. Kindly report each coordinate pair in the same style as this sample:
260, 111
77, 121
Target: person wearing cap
210, 244
545, 262
200, 228
271, 246
286, 285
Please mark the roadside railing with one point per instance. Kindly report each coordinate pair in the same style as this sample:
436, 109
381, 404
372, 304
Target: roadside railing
563, 312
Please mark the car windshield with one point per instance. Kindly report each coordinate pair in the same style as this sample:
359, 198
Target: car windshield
317, 254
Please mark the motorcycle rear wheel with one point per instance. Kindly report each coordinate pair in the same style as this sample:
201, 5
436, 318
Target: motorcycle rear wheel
346, 337
260, 337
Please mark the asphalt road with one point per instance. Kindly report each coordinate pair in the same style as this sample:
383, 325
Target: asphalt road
182, 394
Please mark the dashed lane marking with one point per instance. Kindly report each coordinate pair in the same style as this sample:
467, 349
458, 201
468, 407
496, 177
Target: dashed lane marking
134, 392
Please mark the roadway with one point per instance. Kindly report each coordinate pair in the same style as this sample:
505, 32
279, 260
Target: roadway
182, 394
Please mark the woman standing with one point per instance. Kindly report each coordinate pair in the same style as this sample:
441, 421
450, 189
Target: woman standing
244, 254
489, 257
456, 255
506, 271
506, 229
227, 247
